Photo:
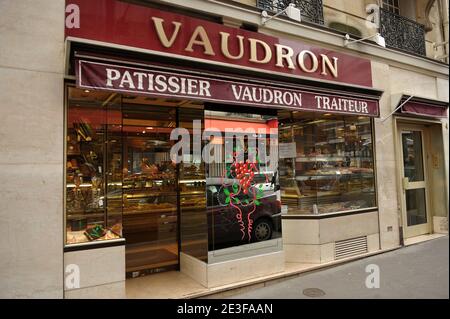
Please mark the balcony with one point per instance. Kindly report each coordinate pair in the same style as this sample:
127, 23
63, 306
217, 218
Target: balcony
311, 10
402, 33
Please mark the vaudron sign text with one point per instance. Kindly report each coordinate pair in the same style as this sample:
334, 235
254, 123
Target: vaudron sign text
173, 35
96, 75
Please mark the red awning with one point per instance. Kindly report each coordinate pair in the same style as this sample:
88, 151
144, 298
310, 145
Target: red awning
166, 81
418, 106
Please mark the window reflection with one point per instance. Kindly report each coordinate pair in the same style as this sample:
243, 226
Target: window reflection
242, 189
412, 155
416, 211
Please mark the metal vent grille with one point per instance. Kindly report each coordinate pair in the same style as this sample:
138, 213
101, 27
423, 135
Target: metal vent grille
350, 247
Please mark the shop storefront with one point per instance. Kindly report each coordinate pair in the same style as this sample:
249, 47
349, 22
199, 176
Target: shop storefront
215, 151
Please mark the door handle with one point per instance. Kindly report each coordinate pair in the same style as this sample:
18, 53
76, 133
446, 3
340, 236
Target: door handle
405, 182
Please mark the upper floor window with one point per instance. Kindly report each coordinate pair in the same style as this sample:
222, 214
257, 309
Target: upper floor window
391, 6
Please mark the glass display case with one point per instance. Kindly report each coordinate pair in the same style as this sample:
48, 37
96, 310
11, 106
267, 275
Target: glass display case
326, 163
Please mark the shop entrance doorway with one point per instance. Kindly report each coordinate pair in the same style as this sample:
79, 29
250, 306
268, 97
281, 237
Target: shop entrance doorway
163, 201
150, 214
415, 207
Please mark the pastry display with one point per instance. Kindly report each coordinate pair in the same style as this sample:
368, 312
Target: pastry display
95, 232
117, 229
333, 168
74, 237
149, 208
192, 171
89, 200
193, 201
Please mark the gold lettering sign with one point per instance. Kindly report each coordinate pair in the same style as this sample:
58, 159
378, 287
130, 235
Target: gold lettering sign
165, 41
284, 53
326, 63
200, 37
301, 61
224, 46
259, 51
254, 51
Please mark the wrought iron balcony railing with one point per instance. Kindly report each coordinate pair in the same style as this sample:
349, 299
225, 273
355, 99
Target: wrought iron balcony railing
402, 33
311, 10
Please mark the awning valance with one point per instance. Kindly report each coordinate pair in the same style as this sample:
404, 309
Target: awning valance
158, 81
419, 106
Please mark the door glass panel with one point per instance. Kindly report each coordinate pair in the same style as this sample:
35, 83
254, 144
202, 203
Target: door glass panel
416, 212
192, 185
412, 155
149, 189
113, 168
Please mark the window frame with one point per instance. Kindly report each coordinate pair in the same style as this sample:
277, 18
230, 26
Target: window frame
390, 6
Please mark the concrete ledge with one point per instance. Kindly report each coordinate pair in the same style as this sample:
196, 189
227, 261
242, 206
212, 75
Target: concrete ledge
194, 268
230, 272
92, 263
108, 291
422, 238
243, 286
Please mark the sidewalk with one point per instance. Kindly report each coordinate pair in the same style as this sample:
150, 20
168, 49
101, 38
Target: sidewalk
419, 271
176, 285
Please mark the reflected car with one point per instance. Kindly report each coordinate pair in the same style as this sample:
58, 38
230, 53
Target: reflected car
225, 229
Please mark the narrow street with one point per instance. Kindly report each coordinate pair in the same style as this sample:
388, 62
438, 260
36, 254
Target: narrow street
417, 271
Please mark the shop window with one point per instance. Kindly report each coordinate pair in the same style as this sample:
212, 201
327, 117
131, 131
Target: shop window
242, 191
326, 163
93, 166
